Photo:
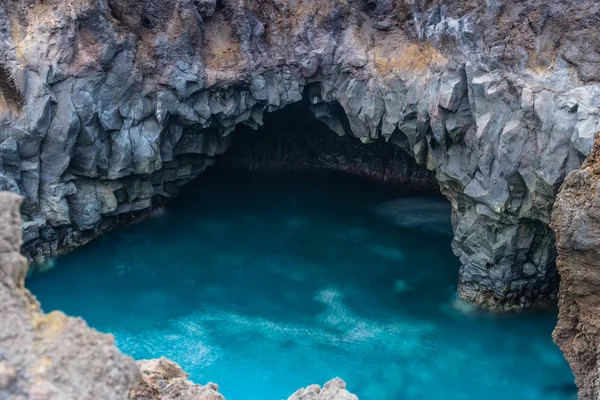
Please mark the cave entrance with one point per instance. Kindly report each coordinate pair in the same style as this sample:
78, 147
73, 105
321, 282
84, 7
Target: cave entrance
268, 282
294, 139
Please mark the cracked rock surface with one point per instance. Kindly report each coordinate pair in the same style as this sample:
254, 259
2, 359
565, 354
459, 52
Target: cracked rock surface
109, 106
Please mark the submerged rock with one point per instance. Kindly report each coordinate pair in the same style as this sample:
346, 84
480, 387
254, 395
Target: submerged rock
335, 389
576, 221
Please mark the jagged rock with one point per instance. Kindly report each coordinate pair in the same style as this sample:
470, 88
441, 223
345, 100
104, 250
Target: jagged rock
576, 221
121, 90
335, 389
163, 379
49, 356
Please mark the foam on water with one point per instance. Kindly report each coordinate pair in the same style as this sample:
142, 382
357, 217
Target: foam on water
301, 279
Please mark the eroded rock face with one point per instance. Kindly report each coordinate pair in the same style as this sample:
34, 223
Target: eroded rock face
576, 221
49, 356
108, 106
335, 389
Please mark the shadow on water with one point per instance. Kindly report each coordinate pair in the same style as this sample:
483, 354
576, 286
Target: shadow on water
269, 283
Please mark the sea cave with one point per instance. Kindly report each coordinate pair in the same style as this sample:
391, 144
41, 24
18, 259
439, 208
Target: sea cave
270, 199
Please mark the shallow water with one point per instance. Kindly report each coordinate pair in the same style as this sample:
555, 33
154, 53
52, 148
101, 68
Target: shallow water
265, 284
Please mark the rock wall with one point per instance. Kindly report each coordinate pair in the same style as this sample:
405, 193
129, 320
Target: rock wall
576, 221
110, 105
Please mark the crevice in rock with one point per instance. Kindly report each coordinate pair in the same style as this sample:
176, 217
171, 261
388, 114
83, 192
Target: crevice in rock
8, 89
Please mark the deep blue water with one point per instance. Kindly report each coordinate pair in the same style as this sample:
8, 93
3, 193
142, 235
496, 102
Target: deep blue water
265, 284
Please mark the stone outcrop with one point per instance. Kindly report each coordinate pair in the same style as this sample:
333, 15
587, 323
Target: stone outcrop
163, 379
576, 221
108, 106
49, 356
335, 389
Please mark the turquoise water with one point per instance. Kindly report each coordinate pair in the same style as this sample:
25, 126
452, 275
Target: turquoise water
265, 284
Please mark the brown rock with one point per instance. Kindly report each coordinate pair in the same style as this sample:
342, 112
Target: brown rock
49, 356
163, 379
576, 221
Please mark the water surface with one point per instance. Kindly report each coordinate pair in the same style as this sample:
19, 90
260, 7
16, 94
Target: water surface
265, 284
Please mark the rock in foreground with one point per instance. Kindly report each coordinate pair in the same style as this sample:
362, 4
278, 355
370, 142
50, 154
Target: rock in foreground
165, 380
49, 356
335, 389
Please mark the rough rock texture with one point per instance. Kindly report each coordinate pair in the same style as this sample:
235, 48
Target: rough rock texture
165, 380
576, 221
335, 389
49, 356
110, 105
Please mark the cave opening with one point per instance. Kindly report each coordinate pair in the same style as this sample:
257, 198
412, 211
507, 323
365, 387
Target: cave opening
305, 137
300, 256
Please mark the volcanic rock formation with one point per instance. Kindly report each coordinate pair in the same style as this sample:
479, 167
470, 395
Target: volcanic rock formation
576, 221
289, 141
108, 106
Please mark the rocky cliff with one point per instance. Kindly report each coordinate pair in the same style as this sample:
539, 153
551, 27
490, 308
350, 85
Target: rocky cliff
576, 221
108, 106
